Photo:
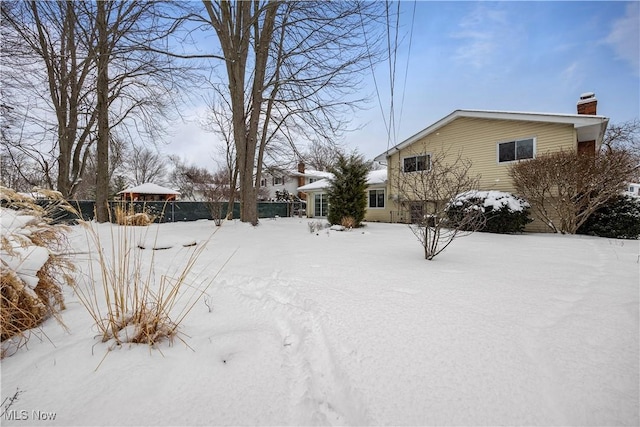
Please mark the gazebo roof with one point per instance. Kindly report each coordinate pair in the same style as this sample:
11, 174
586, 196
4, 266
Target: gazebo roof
148, 188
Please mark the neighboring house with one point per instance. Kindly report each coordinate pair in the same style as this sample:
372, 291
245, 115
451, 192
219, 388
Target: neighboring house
276, 180
318, 203
633, 189
493, 141
148, 192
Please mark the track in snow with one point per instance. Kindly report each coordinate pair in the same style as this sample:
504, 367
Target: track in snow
320, 392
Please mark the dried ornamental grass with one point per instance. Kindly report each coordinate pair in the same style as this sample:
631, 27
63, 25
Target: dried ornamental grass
128, 302
126, 215
348, 222
34, 265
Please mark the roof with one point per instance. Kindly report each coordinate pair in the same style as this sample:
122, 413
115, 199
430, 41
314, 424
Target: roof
148, 188
317, 185
588, 127
312, 173
373, 178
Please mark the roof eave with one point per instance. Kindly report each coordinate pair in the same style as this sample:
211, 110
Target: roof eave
578, 120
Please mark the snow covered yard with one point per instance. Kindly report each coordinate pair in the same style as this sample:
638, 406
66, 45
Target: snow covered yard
356, 328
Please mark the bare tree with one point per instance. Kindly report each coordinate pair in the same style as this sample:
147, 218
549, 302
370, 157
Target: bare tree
48, 32
624, 136
19, 172
425, 189
93, 59
284, 77
565, 189
146, 165
221, 124
322, 156
191, 180
119, 153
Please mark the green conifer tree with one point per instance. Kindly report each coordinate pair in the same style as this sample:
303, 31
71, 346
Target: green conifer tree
347, 193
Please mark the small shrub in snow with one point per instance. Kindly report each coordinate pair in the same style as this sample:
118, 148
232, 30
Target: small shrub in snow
316, 226
34, 266
126, 215
141, 306
503, 212
618, 219
348, 222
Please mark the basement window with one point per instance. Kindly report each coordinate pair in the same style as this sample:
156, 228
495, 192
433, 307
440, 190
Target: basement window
519, 149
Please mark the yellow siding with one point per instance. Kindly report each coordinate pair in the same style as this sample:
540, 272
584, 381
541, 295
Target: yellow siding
476, 139
371, 214
378, 214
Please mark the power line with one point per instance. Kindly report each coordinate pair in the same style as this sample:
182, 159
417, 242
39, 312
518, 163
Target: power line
406, 71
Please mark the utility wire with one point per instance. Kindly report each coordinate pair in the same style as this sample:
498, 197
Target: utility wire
406, 71
373, 74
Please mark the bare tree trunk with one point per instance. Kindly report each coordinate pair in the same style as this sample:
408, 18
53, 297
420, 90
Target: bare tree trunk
102, 87
233, 178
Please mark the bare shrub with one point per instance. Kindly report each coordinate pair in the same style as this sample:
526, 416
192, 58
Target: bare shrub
427, 191
565, 189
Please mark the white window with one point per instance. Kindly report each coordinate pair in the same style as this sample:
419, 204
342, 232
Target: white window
278, 180
519, 149
376, 198
263, 182
417, 163
321, 205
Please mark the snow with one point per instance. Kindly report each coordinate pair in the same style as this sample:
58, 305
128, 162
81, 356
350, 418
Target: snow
356, 328
494, 199
18, 253
321, 184
377, 177
149, 188
373, 177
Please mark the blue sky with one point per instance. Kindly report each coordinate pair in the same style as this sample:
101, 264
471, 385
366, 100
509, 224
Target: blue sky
515, 56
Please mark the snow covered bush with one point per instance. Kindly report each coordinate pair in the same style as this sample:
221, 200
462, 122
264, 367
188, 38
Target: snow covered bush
316, 226
618, 219
503, 212
34, 265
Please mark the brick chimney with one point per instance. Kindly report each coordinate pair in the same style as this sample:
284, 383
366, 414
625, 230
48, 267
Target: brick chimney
587, 104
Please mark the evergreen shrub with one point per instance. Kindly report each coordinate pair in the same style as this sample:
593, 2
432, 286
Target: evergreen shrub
618, 219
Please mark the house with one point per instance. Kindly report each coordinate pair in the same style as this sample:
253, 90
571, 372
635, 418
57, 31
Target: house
148, 192
493, 141
633, 189
318, 204
275, 180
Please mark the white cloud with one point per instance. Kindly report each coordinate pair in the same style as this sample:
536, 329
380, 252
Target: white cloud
571, 73
482, 33
624, 37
